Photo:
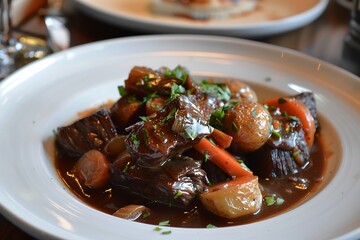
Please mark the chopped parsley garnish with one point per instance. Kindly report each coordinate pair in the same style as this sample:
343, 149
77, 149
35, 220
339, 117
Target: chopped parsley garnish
148, 78
158, 229
146, 215
254, 113
206, 156
135, 139
170, 115
218, 90
178, 72
144, 118
176, 90
234, 127
164, 223
284, 113
216, 118
178, 194
243, 165
294, 118
211, 226
275, 133
149, 97
294, 154
273, 200
281, 100
122, 91
166, 232
146, 135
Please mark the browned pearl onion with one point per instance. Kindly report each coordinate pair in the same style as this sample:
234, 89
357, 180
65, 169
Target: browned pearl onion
240, 90
249, 123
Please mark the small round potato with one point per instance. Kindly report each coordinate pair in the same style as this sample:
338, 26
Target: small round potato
240, 90
249, 123
233, 199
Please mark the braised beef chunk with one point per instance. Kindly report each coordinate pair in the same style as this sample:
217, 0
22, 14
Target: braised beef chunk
92, 132
285, 153
126, 111
175, 183
167, 133
308, 99
143, 81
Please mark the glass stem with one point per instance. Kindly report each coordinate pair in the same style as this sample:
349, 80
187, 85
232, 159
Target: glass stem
5, 22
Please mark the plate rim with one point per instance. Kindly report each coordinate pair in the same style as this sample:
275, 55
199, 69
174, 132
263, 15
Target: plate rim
6, 82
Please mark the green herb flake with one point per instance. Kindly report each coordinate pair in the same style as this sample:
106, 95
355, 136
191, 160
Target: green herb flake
211, 226
179, 72
294, 154
216, 118
164, 223
279, 201
234, 127
149, 97
218, 90
166, 232
135, 139
190, 133
284, 113
122, 91
272, 108
266, 106
275, 133
170, 115
144, 118
273, 200
149, 77
178, 194
206, 156
254, 113
158, 229
176, 89
294, 118
269, 201
146, 135
282, 100
146, 215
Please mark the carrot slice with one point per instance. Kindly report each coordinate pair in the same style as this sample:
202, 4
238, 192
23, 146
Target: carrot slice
294, 107
222, 139
221, 158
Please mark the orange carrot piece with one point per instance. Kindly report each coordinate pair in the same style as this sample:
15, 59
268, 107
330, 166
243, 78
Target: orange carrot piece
294, 107
222, 139
221, 158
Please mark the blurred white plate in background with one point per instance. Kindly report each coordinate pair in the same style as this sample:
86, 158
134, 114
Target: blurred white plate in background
271, 17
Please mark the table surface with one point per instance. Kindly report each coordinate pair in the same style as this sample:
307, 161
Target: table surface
322, 39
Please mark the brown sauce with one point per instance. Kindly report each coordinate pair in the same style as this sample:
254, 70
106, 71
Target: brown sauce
109, 200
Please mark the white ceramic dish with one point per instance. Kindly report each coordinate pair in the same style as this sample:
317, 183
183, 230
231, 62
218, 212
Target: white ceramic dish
45, 94
271, 17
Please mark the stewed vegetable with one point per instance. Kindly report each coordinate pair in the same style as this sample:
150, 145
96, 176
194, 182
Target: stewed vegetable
191, 153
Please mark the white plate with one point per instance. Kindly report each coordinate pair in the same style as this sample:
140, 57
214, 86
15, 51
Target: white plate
271, 17
45, 94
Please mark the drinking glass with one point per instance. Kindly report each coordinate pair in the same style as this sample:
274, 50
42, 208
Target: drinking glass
16, 52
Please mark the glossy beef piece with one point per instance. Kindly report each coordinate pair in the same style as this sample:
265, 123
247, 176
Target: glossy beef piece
92, 132
281, 156
126, 111
143, 81
176, 183
308, 99
171, 131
